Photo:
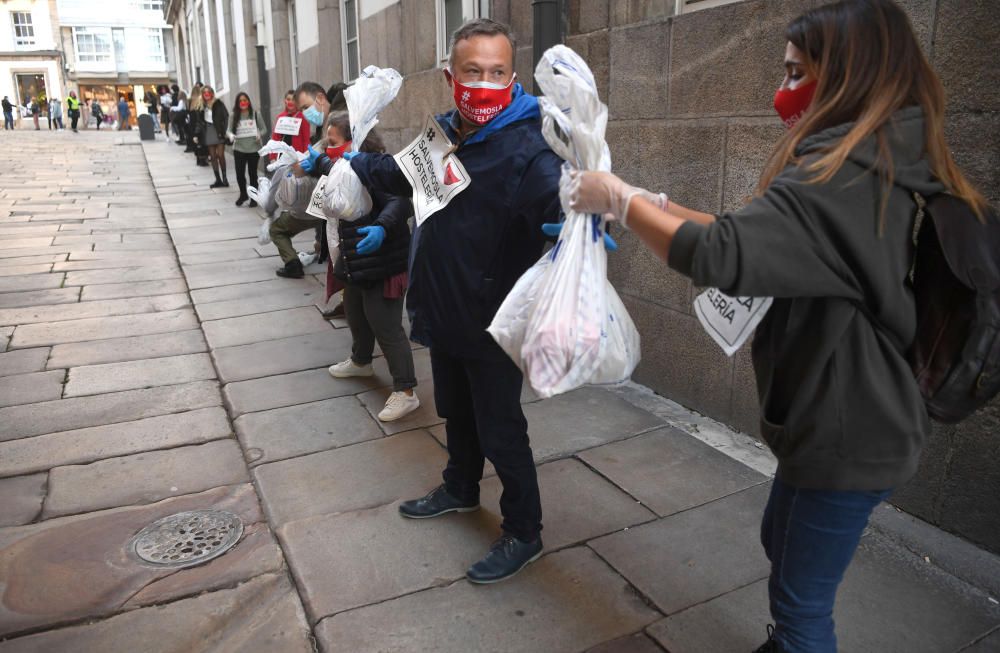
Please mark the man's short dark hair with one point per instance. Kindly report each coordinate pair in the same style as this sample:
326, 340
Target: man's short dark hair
480, 27
312, 88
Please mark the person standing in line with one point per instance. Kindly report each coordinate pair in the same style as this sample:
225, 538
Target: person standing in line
248, 132
178, 118
166, 101
215, 118
300, 140
152, 102
372, 266
35, 112
8, 113
467, 257
56, 113
124, 114
829, 236
97, 112
196, 124
73, 108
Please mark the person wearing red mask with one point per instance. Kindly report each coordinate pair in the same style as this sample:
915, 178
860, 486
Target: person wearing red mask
248, 131
214, 125
828, 235
293, 118
467, 258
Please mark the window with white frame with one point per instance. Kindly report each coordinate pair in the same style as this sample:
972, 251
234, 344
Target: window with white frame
349, 29
452, 14
24, 30
293, 42
93, 45
687, 6
145, 48
148, 5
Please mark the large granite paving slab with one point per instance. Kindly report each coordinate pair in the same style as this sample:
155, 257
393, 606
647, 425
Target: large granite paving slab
123, 275
32, 282
86, 445
229, 272
353, 559
693, 556
48, 581
85, 309
22, 499
247, 329
280, 300
130, 375
360, 476
282, 356
31, 388
564, 603
114, 350
890, 600
138, 289
23, 361
82, 412
144, 478
39, 297
303, 387
670, 471
97, 328
637, 643
307, 428
257, 290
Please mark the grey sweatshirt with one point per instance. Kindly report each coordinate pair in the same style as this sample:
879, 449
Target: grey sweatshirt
839, 405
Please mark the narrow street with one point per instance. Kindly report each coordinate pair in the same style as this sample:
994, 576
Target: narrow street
152, 363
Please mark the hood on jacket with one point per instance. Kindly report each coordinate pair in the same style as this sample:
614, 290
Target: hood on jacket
906, 134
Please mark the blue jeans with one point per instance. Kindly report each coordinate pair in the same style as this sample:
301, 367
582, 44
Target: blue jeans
810, 537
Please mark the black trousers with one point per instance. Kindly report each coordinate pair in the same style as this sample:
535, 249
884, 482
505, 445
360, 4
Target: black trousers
246, 165
481, 403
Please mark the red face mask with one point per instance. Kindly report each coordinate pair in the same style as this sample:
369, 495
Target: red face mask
792, 103
207, 97
481, 102
244, 104
336, 152
291, 107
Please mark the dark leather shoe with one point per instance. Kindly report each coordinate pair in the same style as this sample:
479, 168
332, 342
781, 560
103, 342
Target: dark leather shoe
507, 556
336, 312
292, 270
437, 502
771, 645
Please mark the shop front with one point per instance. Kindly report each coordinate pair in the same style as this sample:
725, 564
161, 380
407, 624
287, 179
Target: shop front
107, 96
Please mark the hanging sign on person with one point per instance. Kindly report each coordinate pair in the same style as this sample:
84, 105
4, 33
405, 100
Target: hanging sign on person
288, 126
246, 128
433, 170
315, 208
729, 320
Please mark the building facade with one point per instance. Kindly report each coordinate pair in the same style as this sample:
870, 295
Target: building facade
31, 62
689, 84
124, 50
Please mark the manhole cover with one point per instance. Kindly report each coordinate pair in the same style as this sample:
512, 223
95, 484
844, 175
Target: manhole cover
187, 538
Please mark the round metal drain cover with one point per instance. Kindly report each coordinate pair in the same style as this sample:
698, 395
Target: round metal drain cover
187, 538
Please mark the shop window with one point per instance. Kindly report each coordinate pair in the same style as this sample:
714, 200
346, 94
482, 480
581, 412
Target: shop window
687, 6
452, 14
349, 28
24, 30
93, 45
148, 5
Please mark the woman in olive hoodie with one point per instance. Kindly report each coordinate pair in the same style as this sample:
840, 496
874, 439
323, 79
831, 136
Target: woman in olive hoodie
828, 232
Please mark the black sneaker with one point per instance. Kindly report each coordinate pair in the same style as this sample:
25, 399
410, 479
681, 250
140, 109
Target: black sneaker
437, 502
507, 556
292, 270
771, 645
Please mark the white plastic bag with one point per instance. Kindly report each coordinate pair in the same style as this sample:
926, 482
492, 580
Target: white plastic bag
263, 194
264, 235
345, 197
293, 192
563, 323
287, 154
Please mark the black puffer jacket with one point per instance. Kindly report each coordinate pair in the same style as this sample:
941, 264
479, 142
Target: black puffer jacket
390, 212
220, 120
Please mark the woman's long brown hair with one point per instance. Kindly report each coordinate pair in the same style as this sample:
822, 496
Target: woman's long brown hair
868, 65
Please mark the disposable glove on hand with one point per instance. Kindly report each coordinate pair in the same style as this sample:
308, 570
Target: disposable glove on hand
555, 228
374, 236
348, 155
307, 164
602, 193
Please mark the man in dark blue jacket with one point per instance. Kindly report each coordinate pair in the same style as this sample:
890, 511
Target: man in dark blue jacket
464, 260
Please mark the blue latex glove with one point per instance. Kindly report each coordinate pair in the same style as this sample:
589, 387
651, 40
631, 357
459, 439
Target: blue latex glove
350, 154
309, 162
554, 228
373, 239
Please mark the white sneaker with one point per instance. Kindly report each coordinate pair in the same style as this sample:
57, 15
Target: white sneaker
399, 404
349, 368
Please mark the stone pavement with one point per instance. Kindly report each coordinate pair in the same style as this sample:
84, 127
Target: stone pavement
152, 363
